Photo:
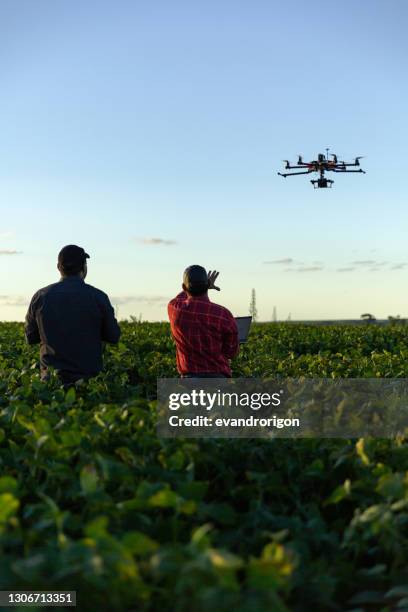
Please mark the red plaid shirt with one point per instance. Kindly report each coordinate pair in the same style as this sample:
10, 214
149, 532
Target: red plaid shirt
206, 335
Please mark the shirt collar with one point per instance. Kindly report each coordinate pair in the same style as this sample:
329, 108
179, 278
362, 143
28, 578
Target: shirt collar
71, 279
199, 298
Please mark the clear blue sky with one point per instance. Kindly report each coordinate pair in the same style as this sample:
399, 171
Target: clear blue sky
123, 122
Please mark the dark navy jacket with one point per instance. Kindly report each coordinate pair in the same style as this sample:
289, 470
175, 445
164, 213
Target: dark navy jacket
70, 320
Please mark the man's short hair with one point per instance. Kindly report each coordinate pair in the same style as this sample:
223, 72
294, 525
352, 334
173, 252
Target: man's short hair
195, 279
71, 259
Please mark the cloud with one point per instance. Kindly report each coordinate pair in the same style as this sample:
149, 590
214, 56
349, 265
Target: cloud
345, 269
305, 269
285, 261
6, 235
156, 241
310, 269
399, 266
132, 299
9, 252
369, 263
13, 300
364, 262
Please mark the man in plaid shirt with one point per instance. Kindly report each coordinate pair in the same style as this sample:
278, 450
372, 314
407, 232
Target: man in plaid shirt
206, 334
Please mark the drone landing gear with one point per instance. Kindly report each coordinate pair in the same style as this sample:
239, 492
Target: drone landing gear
322, 183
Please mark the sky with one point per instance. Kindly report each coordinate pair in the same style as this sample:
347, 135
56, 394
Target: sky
151, 134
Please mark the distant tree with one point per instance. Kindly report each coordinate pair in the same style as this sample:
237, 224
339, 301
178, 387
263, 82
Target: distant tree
369, 318
396, 320
274, 315
252, 306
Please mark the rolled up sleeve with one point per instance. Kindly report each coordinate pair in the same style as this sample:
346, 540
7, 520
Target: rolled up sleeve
32, 332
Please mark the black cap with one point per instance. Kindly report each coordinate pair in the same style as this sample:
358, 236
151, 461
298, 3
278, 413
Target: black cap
195, 279
72, 257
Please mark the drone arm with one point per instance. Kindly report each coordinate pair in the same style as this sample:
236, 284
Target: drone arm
295, 167
339, 170
293, 173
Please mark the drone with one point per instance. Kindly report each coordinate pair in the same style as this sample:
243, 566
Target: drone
322, 164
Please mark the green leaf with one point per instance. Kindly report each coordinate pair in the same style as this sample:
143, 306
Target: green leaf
138, 543
367, 597
200, 536
273, 569
195, 490
8, 507
166, 498
97, 528
361, 452
341, 492
397, 591
89, 479
8, 484
70, 438
222, 559
376, 570
391, 486
70, 396
223, 513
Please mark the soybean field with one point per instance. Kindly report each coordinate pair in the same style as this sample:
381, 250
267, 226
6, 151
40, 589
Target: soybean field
92, 500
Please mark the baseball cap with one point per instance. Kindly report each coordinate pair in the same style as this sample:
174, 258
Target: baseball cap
71, 257
195, 278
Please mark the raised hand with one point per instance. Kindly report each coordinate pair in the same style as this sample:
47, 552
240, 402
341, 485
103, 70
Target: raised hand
212, 277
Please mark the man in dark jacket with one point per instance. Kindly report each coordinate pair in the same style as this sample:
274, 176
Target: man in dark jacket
70, 320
